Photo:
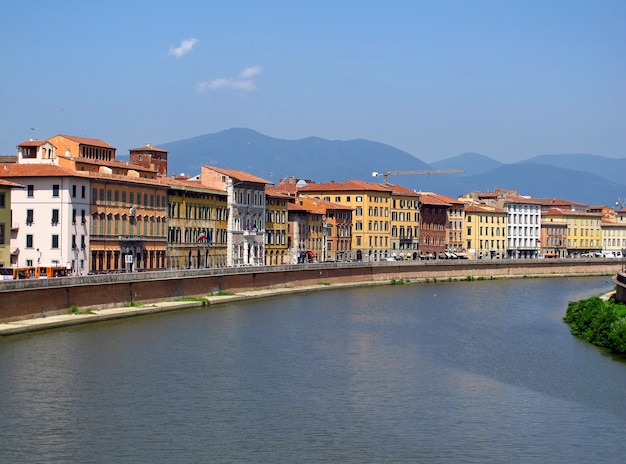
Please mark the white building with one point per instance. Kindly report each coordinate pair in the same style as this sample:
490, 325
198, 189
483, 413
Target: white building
246, 213
523, 227
49, 224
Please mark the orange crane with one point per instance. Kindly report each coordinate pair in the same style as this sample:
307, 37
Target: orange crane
401, 173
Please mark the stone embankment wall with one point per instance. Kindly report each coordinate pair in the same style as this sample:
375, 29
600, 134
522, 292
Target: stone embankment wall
28, 298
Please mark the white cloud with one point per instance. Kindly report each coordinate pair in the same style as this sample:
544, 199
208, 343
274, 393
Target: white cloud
184, 48
243, 82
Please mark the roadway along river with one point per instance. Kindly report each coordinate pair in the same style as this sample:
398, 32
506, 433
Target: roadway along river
466, 372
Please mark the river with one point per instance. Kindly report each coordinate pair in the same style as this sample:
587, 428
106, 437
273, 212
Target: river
462, 372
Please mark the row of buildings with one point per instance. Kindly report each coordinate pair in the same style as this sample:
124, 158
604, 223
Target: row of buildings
67, 201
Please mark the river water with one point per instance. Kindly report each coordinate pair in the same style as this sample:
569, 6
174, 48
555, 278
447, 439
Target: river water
464, 372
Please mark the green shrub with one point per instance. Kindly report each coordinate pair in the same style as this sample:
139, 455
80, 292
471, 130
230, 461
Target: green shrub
598, 322
617, 336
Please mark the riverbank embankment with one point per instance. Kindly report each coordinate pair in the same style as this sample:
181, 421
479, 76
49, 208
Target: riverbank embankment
124, 295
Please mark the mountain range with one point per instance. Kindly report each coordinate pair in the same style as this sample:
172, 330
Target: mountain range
585, 178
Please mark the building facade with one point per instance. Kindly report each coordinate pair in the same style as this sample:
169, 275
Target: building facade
246, 213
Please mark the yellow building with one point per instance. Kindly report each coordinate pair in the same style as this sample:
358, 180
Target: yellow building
197, 225
128, 228
5, 221
276, 215
405, 222
371, 203
584, 232
485, 231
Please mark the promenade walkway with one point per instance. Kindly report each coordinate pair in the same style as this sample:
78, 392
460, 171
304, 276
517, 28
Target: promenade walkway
46, 322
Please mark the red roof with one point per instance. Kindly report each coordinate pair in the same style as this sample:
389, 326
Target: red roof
32, 143
35, 170
86, 141
239, 175
6, 183
347, 186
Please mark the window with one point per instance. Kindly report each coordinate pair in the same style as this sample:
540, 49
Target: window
82, 242
2, 229
73, 242
1, 200
82, 191
82, 216
55, 190
73, 191
29, 241
31, 190
55, 241
55, 216
29, 216
74, 216
132, 198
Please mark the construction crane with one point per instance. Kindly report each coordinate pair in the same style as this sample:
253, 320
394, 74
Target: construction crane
402, 173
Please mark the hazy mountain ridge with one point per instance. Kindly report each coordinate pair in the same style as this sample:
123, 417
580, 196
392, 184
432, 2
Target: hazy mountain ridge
591, 179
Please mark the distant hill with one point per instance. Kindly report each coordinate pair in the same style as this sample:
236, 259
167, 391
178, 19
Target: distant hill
274, 159
611, 168
590, 179
471, 163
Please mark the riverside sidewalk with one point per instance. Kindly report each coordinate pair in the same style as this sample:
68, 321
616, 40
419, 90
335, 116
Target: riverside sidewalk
46, 322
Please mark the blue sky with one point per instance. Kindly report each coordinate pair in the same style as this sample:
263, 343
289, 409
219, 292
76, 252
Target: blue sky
507, 79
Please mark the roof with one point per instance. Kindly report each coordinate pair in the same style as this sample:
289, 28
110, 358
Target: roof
148, 147
195, 185
452, 201
483, 209
112, 164
7, 183
33, 143
400, 190
433, 200
239, 175
35, 170
10, 170
316, 205
272, 191
86, 141
347, 186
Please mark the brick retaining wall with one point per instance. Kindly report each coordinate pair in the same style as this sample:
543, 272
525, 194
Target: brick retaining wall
28, 298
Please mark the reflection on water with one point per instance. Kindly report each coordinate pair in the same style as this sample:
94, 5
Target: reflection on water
461, 372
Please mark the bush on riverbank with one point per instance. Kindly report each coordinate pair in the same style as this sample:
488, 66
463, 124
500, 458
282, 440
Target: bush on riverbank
602, 323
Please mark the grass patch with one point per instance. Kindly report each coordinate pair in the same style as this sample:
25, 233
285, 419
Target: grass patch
399, 281
323, 283
75, 310
221, 293
133, 304
190, 298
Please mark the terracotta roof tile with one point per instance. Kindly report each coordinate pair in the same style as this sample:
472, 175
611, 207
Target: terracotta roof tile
86, 141
347, 186
239, 175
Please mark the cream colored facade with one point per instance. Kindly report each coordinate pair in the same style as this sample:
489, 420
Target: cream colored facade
485, 232
197, 226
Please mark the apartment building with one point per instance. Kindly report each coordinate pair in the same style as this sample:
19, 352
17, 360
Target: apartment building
246, 213
432, 229
486, 228
197, 228
5, 221
371, 203
276, 227
50, 216
553, 237
405, 222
